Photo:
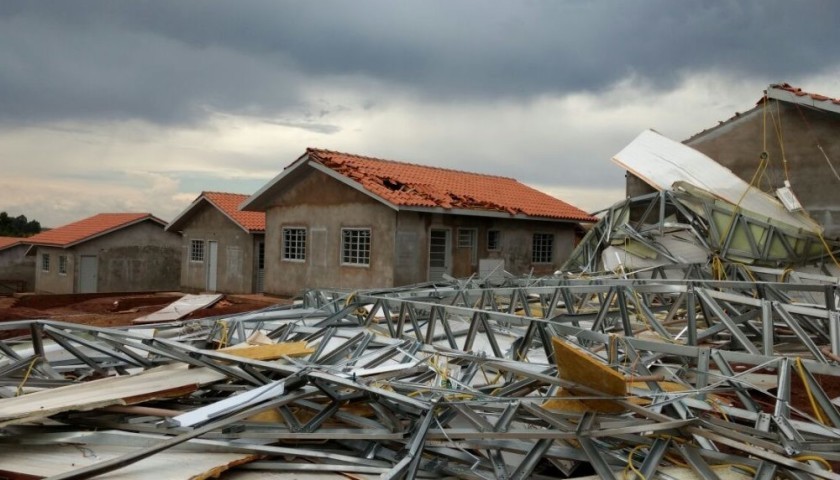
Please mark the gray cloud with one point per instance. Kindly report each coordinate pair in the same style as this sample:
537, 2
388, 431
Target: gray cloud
173, 62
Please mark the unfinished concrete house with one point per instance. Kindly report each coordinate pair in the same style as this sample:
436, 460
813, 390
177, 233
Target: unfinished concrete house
348, 221
223, 248
789, 136
17, 271
108, 252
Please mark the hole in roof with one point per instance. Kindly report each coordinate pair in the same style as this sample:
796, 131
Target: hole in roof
392, 184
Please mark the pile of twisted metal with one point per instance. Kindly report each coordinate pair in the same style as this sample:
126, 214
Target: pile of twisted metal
678, 342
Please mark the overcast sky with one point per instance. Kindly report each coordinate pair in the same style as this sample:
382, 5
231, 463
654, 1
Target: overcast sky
139, 106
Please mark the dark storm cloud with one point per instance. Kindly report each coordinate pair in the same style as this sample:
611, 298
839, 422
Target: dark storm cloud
171, 62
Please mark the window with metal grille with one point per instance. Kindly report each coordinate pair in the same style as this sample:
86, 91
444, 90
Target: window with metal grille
494, 239
466, 237
294, 244
355, 246
542, 248
197, 251
62, 264
45, 262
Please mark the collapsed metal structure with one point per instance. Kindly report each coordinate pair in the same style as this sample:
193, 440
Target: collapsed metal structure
453, 381
694, 334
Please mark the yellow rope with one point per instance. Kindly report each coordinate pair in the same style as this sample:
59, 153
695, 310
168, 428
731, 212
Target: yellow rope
224, 335
630, 466
26, 376
816, 408
781, 140
816, 458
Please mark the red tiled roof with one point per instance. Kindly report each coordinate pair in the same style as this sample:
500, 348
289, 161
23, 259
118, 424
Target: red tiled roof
229, 204
799, 93
88, 228
410, 185
6, 242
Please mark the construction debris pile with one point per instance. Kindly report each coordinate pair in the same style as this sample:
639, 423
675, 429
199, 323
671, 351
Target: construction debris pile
556, 378
690, 337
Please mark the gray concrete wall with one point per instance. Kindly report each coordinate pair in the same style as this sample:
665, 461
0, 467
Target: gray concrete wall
142, 257
738, 144
411, 254
235, 271
51, 281
515, 243
324, 206
16, 267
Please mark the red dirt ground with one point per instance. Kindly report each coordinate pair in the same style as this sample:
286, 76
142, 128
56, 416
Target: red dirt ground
113, 310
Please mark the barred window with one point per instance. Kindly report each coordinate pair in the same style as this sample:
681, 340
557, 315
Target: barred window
45, 262
466, 237
294, 244
494, 239
355, 246
542, 248
197, 251
62, 264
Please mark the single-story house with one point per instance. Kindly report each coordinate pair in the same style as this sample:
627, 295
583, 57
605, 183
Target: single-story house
223, 248
789, 135
108, 252
338, 220
17, 271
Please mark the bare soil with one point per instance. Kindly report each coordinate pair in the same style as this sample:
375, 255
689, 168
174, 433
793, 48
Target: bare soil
113, 310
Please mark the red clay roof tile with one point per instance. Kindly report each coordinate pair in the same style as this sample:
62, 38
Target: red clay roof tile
88, 228
229, 204
7, 242
410, 185
800, 93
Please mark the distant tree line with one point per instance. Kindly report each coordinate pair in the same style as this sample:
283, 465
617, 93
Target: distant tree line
17, 226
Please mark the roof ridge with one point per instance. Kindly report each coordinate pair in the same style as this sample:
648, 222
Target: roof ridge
205, 192
385, 160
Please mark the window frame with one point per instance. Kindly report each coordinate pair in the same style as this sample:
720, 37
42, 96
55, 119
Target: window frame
196, 253
296, 252
62, 264
45, 262
360, 250
498, 246
538, 253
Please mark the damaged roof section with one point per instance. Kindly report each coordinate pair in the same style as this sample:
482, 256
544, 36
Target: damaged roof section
406, 186
703, 215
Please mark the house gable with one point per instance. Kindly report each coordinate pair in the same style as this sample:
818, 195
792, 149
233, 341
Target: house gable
137, 257
319, 208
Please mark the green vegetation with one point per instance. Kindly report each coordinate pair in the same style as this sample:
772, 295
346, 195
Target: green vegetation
17, 226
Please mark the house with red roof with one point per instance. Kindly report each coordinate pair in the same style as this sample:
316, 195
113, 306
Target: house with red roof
338, 220
223, 248
108, 252
17, 271
789, 135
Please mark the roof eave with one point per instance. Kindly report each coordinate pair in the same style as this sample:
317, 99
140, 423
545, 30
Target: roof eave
352, 184
102, 233
258, 201
490, 214
787, 96
222, 210
182, 217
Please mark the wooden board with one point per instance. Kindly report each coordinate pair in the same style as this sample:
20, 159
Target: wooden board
576, 366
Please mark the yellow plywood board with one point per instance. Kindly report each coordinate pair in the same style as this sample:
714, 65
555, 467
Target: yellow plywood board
576, 366
270, 352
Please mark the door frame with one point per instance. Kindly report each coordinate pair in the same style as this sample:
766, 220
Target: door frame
447, 258
212, 267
